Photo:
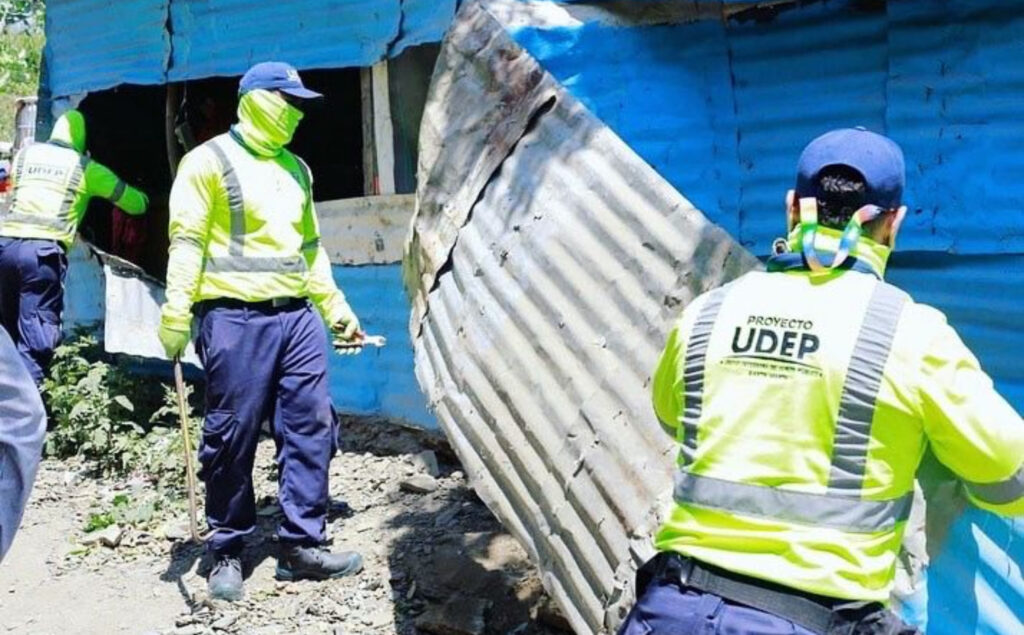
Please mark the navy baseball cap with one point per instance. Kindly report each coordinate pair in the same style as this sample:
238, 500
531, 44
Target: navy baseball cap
878, 159
275, 76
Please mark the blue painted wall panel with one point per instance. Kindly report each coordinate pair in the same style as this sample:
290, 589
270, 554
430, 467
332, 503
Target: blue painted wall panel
671, 102
224, 37
379, 381
940, 77
101, 43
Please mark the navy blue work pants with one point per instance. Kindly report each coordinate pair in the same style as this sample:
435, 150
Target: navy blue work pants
265, 364
665, 608
32, 298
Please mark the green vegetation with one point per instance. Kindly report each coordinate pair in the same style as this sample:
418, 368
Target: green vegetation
118, 423
21, 51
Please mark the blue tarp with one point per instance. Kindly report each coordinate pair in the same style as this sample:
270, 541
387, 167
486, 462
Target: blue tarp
96, 44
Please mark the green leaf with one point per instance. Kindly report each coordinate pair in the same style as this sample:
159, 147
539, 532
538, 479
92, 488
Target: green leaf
99, 521
124, 402
80, 408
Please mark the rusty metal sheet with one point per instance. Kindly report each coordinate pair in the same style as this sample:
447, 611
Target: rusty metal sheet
546, 263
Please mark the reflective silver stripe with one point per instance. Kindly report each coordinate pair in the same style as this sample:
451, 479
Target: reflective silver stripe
1001, 493
243, 264
71, 189
236, 205
693, 370
311, 244
860, 390
825, 510
37, 220
118, 192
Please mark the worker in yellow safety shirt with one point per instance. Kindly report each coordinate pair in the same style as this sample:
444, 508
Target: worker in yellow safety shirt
52, 185
246, 259
803, 399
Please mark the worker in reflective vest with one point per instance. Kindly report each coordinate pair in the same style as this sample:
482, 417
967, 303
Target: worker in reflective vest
245, 257
803, 399
52, 185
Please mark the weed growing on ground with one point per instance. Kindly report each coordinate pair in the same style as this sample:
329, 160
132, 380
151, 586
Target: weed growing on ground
120, 425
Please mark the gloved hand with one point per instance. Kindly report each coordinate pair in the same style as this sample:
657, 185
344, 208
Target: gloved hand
347, 332
174, 340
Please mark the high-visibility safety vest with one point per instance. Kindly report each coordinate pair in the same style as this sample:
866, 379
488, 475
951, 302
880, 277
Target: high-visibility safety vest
803, 405
53, 182
243, 226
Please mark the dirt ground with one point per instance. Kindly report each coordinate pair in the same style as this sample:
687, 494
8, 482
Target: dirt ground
436, 559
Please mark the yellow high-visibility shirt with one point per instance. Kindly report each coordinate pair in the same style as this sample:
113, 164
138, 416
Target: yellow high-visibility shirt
803, 404
52, 183
243, 226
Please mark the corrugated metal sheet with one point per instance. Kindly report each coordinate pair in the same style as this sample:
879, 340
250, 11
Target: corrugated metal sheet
225, 37
93, 44
939, 77
160, 40
547, 260
935, 75
379, 381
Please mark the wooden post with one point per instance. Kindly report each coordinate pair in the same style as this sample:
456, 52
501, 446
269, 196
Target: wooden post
383, 133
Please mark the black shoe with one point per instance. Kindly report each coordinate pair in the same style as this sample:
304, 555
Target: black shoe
316, 563
225, 581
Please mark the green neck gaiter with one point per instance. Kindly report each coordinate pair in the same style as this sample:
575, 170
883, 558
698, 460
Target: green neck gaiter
266, 122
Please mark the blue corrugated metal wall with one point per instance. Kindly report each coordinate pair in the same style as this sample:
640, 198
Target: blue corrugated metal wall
154, 41
722, 110
379, 381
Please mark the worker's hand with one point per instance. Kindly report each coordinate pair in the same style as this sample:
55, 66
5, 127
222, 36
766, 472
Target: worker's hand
174, 340
347, 334
145, 200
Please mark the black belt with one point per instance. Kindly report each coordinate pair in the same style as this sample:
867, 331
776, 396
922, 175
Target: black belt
813, 612
274, 304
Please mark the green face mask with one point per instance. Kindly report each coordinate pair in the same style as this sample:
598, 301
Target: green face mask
266, 121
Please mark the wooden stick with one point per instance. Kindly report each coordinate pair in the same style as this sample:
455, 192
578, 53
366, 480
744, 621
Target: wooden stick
190, 473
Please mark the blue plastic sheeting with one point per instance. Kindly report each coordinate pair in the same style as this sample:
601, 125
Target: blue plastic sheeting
722, 109
225, 37
379, 381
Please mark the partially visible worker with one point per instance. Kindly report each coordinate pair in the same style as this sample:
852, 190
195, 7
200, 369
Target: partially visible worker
22, 426
803, 399
52, 183
246, 259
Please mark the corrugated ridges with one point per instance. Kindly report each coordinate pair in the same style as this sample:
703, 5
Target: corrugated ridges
225, 37
939, 77
955, 103
802, 74
378, 381
102, 43
547, 316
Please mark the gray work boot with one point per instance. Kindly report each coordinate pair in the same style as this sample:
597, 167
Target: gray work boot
316, 563
225, 581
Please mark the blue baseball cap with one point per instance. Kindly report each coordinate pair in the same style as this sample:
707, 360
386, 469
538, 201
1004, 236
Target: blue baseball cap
878, 159
275, 76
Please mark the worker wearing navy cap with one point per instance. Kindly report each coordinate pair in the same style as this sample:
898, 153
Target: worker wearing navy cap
803, 399
246, 259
